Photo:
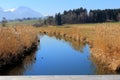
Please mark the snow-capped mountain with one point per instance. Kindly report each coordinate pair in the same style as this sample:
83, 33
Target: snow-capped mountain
21, 12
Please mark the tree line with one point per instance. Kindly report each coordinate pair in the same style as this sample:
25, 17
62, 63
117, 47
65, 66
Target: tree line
81, 15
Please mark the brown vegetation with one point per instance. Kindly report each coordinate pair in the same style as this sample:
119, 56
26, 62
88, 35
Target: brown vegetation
106, 49
14, 42
103, 38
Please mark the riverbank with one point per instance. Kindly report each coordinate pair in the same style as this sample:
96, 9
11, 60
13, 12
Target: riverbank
16, 43
102, 38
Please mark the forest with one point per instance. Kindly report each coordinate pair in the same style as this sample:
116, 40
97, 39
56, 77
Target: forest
82, 15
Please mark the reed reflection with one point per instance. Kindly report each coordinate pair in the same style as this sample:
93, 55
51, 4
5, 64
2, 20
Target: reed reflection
76, 44
21, 67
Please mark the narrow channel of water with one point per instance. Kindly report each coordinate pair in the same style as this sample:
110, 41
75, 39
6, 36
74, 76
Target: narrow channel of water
55, 57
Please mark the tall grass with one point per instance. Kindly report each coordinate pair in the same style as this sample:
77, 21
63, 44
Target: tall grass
108, 38
15, 40
104, 36
106, 48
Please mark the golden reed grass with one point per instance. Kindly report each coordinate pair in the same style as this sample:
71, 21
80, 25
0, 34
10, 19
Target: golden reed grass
15, 40
106, 48
107, 38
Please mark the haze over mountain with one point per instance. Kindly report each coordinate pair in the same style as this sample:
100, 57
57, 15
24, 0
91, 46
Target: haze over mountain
21, 12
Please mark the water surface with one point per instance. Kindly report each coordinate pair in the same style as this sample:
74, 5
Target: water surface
56, 57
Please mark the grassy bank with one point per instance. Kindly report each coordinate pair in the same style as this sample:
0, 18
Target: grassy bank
15, 42
106, 49
103, 38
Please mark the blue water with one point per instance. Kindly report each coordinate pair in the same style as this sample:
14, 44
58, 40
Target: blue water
57, 57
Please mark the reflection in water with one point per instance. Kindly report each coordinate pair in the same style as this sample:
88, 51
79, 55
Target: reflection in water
77, 45
56, 56
20, 68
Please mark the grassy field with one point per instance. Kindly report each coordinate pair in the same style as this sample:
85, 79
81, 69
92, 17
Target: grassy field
21, 23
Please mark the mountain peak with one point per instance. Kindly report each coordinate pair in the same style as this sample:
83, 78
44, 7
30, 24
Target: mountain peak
21, 12
10, 10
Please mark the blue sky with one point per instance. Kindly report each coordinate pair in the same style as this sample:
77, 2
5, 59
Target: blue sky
50, 7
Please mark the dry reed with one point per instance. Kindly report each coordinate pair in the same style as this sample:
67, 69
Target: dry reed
14, 41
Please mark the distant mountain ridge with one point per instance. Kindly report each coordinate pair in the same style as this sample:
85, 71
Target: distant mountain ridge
19, 13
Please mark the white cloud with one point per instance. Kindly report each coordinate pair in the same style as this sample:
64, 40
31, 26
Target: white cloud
11, 10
